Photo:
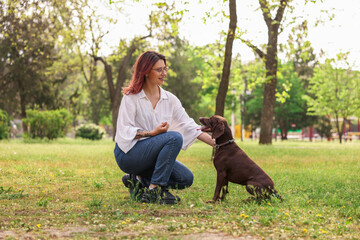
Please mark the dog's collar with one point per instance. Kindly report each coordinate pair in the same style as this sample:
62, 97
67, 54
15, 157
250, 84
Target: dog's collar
217, 146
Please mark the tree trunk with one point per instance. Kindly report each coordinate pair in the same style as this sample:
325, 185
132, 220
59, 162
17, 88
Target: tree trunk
224, 83
22, 96
338, 128
270, 58
267, 111
283, 125
115, 90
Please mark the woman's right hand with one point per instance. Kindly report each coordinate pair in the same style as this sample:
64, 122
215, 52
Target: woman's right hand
163, 127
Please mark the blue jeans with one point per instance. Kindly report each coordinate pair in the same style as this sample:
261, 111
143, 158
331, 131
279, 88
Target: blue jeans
154, 160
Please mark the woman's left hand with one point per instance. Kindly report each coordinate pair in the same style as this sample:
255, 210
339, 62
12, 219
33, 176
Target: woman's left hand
163, 127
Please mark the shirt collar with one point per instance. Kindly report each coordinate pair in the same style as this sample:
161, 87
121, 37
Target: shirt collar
163, 94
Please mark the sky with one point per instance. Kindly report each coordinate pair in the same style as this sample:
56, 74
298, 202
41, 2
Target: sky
341, 34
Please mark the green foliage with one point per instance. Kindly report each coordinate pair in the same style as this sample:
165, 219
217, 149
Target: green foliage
335, 90
47, 124
208, 60
89, 131
290, 107
32, 34
4, 125
181, 76
323, 127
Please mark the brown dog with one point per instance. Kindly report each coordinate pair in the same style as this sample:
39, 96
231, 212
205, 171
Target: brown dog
232, 164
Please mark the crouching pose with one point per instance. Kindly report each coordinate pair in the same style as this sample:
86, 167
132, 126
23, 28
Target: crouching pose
152, 128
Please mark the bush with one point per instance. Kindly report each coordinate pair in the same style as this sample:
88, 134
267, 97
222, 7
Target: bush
4, 125
47, 124
89, 131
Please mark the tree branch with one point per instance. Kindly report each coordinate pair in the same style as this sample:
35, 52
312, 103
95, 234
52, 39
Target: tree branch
254, 48
266, 12
280, 11
82, 65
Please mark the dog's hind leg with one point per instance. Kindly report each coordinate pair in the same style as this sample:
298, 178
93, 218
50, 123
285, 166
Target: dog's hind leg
256, 189
273, 192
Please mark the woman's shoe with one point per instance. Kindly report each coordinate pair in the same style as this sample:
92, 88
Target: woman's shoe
159, 195
136, 187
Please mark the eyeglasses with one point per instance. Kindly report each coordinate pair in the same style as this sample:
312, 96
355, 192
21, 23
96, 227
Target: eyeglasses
159, 70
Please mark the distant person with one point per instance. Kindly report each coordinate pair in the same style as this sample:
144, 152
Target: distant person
152, 128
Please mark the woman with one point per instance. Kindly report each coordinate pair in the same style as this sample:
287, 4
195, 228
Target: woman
152, 127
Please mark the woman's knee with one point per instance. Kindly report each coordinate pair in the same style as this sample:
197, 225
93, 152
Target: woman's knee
189, 179
176, 137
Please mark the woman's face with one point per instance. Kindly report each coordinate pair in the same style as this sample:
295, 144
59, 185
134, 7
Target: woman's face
157, 74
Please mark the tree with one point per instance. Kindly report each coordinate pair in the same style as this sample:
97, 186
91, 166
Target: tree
270, 58
159, 22
209, 60
181, 77
300, 52
335, 92
28, 47
93, 74
224, 83
290, 107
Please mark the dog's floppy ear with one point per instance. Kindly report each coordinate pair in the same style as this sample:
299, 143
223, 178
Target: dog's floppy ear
219, 130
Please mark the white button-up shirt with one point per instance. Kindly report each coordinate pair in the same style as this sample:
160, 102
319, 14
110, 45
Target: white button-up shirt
136, 112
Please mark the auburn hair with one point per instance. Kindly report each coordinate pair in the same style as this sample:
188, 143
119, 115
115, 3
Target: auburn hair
142, 66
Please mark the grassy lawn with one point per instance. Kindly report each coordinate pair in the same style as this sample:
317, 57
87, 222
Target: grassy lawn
72, 189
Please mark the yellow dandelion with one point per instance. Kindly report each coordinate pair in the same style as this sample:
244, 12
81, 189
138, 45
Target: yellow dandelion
269, 204
127, 220
304, 230
322, 230
318, 215
38, 225
104, 206
123, 223
349, 218
287, 214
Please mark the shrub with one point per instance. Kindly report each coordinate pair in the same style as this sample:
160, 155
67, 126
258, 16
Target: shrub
47, 124
89, 131
4, 125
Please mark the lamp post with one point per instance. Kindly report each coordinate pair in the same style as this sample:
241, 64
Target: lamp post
245, 93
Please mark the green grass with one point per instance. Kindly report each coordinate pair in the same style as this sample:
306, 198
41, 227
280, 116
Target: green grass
72, 189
